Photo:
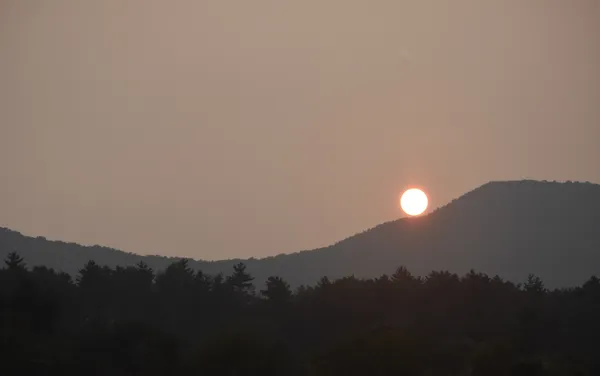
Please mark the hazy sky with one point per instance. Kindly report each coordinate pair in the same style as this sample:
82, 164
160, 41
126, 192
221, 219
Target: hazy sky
218, 129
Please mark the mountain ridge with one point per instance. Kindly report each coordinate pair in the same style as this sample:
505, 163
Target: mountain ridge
487, 229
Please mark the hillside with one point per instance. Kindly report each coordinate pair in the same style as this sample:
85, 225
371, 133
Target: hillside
506, 228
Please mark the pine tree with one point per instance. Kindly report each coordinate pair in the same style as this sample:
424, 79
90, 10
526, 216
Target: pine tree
14, 262
534, 285
277, 291
402, 275
240, 280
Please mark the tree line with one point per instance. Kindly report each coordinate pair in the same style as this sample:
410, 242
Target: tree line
135, 321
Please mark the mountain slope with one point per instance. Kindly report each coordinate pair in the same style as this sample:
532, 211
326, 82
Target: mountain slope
506, 228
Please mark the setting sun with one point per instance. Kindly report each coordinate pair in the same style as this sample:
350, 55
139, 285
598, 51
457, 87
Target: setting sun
414, 201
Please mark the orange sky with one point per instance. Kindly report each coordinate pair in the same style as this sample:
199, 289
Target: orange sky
217, 129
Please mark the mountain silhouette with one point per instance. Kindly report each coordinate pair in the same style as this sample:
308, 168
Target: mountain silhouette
510, 228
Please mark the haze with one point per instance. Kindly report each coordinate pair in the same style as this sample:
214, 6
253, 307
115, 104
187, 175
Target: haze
219, 129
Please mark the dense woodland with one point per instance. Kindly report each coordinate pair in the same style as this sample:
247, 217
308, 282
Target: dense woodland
131, 321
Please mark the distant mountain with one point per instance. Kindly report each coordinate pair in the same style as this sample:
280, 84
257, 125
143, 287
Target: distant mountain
506, 228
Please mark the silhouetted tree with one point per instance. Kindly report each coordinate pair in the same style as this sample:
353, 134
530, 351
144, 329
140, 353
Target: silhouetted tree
93, 276
145, 273
402, 275
240, 280
14, 262
203, 282
323, 283
176, 277
534, 285
278, 291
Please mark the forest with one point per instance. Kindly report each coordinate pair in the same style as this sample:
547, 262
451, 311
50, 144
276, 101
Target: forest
135, 321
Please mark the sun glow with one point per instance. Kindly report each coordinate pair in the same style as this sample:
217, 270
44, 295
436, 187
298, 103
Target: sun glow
414, 201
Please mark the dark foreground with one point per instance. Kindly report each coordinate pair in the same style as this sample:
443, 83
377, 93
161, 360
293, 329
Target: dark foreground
129, 321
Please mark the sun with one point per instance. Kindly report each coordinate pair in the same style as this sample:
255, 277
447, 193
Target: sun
414, 201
